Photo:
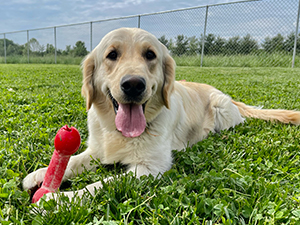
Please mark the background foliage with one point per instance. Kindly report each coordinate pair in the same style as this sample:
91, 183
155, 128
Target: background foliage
218, 51
35, 49
180, 45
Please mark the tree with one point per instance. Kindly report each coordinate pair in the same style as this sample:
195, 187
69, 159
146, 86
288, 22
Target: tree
11, 47
50, 49
219, 45
181, 46
232, 46
275, 44
164, 41
34, 45
193, 47
80, 49
267, 45
247, 44
12, 50
171, 45
209, 44
213, 45
68, 50
289, 43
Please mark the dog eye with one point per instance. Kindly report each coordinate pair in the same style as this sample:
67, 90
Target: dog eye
150, 55
113, 55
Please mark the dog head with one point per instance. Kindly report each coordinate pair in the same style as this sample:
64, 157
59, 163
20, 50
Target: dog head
129, 74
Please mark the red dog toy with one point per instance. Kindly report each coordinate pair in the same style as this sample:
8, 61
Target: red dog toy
66, 142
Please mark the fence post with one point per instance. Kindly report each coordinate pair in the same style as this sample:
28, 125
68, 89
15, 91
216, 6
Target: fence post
55, 51
204, 34
91, 36
4, 48
139, 21
296, 36
28, 46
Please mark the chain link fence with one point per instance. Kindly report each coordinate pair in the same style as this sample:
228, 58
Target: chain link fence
254, 33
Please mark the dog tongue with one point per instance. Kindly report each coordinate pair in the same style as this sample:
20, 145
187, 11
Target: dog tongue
130, 120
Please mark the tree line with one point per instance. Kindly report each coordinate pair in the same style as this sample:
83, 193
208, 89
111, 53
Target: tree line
217, 45
36, 49
181, 45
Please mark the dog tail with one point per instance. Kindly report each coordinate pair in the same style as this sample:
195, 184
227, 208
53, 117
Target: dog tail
283, 116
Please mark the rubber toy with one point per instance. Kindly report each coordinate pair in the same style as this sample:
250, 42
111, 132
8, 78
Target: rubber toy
66, 143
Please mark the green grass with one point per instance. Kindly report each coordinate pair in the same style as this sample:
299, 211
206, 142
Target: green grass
48, 59
252, 60
246, 175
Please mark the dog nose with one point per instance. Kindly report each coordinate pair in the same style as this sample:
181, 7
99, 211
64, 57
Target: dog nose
133, 85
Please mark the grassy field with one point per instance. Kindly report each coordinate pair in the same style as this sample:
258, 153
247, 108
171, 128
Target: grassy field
48, 59
254, 60
246, 175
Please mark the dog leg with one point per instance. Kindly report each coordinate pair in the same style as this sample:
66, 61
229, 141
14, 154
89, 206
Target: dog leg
138, 170
89, 189
226, 114
75, 166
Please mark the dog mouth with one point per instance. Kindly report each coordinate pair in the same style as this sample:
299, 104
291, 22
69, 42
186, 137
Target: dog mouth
114, 102
130, 117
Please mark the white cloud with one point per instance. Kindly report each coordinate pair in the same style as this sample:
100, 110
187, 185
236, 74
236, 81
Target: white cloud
31, 14
52, 7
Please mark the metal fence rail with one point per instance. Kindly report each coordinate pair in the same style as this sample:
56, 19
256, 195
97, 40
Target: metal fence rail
248, 33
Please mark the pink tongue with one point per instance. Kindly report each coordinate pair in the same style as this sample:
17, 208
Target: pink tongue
130, 120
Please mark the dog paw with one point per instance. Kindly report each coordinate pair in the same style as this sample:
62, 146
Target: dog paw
34, 180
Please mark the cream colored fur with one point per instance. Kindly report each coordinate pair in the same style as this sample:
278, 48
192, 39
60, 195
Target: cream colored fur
177, 113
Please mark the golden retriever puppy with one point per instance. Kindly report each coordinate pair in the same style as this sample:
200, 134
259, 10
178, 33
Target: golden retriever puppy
138, 113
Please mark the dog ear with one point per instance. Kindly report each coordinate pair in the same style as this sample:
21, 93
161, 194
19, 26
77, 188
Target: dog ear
87, 90
169, 66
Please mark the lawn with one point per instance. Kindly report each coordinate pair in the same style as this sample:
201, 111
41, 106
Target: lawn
246, 175
251, 60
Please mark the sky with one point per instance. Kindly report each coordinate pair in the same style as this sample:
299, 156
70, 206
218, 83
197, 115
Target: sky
260, 19
30, 14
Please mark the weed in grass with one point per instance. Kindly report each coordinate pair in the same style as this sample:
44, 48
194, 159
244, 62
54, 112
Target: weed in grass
245, 175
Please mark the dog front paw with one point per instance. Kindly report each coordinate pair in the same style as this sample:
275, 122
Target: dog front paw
34, 180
